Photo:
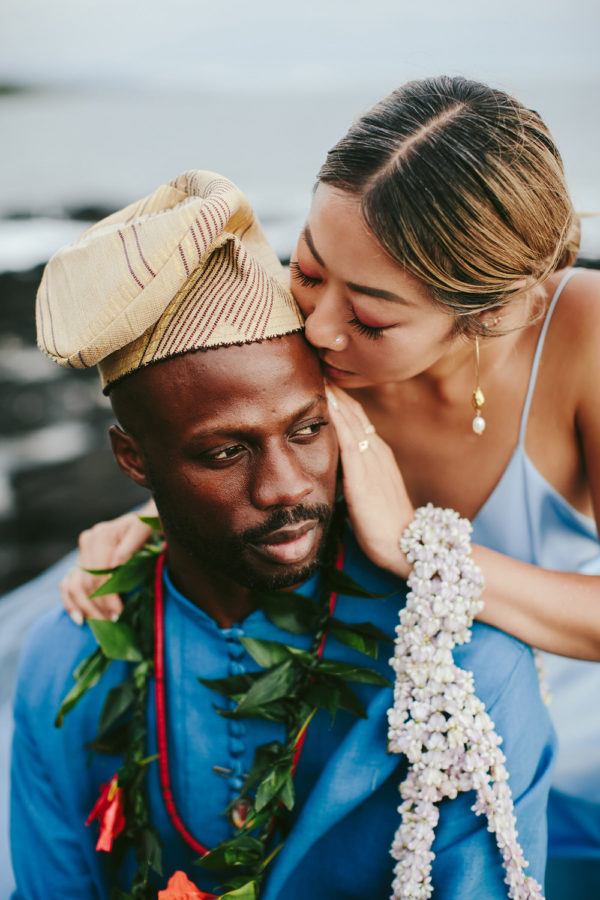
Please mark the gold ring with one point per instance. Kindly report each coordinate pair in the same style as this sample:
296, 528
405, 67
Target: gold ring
362, 446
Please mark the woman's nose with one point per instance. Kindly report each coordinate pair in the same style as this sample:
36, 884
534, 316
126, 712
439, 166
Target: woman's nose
325, 327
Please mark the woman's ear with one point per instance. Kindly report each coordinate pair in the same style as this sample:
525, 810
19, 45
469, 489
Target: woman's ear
128, 455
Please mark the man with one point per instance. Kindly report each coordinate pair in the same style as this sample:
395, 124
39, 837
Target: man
222, 415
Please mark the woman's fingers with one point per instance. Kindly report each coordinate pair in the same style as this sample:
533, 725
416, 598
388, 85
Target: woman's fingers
104, 546
376, 497
76, 589
134, 534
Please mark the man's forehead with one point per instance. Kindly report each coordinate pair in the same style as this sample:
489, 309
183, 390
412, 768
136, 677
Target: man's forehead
229, 384
264, 416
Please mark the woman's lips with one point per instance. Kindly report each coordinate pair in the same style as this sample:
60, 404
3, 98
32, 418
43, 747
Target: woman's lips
288, 545
333, 373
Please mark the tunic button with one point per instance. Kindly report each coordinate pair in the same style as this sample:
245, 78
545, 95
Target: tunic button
235, 668
235, 633
235, 728
236, 651
236, 767
236, 747
236, 783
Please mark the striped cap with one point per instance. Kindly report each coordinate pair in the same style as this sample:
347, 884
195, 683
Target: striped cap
184, 269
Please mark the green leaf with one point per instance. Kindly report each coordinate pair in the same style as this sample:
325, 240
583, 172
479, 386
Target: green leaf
131, 574
152, 849
292, 612
323, 695
266, 757
349, 672
117, 640
241, 851
349, 701
274, 782
248, 891
284, 710
332, 693
115, 743
342, 583
287, 793
361, 636
142, 672
87, 674
233, 686
152, 522
122, 580
266, 653
275, 684
118, 701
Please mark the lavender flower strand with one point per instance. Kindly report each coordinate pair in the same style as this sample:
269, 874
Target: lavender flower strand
437, 721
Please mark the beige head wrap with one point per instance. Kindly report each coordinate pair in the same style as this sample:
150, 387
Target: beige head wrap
184, 269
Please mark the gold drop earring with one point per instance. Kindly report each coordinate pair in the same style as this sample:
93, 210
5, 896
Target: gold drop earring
478, 398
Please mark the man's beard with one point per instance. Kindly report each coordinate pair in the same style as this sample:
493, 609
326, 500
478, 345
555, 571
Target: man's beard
233, 557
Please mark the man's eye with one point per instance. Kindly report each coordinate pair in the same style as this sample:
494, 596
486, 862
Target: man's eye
226, 453
309, 430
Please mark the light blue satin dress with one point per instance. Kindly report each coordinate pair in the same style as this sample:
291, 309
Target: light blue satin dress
526, 518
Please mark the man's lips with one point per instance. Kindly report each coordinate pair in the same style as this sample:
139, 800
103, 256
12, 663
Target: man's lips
290, 544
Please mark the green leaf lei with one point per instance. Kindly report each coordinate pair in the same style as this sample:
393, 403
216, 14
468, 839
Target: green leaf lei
290, 687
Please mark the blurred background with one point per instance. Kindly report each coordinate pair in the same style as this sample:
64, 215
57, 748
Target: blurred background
100, 102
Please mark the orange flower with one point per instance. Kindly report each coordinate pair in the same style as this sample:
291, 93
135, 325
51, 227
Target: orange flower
108, 808
181, 888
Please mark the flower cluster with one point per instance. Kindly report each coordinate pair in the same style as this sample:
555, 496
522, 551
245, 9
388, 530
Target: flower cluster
437, 721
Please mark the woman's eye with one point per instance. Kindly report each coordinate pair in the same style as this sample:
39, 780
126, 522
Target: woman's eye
368, 331
302, 277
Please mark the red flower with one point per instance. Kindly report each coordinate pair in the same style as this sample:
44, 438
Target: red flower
181, 888
108, 808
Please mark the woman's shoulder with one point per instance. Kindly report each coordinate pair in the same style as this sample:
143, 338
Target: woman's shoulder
578, 309
574, 335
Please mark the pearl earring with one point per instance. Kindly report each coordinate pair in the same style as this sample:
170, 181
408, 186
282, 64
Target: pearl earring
339, 340
478, 398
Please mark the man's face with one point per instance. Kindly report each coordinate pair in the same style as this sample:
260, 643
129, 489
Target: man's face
239, 453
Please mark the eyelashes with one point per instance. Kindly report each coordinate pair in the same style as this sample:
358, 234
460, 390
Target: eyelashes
300, 276
373, 334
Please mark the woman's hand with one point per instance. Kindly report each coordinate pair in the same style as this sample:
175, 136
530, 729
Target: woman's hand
104, 546
377, 501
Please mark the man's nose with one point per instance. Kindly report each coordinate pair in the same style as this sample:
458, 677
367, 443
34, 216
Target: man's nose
279, 479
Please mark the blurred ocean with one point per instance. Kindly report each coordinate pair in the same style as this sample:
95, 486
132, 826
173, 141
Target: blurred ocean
100, 102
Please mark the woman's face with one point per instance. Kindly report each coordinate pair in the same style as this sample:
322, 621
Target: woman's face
371, 321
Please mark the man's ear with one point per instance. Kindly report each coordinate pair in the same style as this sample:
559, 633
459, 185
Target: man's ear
128, 455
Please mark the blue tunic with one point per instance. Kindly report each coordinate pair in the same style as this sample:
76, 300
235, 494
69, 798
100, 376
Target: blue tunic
346, 813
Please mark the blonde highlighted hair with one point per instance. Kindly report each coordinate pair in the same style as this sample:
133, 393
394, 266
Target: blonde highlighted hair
464, 187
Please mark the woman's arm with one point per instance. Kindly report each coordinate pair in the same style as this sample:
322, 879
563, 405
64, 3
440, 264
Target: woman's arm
554, 611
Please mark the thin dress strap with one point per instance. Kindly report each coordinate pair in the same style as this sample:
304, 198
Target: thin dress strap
538, 351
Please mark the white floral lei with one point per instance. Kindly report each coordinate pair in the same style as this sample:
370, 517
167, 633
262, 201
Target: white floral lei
437, 721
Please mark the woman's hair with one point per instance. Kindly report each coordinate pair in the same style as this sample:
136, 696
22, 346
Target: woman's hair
464, 187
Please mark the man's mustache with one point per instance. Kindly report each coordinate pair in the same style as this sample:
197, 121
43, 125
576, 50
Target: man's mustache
279, 518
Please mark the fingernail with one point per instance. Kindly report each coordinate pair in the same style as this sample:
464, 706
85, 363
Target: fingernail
331, 399
114, 617
77, 617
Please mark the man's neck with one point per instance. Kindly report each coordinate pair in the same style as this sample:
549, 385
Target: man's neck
224, 600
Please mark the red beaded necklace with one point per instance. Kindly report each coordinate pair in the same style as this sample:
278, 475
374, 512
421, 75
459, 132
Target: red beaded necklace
161, 704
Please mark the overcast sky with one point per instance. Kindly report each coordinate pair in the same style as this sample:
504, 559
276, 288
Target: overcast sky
280, 45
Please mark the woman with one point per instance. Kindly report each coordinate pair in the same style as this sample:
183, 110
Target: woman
434, 275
